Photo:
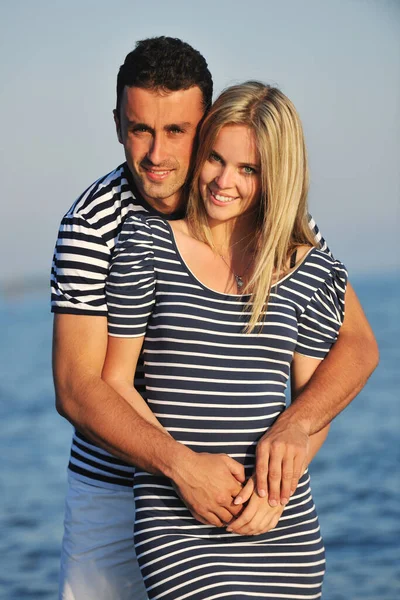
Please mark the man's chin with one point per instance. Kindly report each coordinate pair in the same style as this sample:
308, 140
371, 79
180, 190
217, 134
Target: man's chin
165, 200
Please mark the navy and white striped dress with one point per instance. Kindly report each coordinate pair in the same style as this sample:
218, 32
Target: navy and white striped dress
217, 389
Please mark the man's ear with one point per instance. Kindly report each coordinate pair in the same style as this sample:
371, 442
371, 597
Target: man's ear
117, 126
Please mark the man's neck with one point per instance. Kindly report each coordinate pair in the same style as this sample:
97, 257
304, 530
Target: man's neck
167, 206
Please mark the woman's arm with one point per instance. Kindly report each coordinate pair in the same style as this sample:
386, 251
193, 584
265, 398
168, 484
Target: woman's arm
119, 371
206, 483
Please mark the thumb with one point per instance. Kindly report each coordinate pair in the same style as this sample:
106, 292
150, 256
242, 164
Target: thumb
245, 492
235, 468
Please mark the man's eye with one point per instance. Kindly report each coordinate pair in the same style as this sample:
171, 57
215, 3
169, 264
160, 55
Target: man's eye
176, 130
140, 129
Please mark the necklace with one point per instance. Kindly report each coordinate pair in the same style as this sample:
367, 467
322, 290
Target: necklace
238, 278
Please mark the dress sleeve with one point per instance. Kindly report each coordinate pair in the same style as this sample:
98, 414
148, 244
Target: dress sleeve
321, 243
79, 269
130, 287
319, 324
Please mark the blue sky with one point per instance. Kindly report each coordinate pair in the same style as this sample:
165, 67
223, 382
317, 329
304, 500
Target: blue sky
338, 60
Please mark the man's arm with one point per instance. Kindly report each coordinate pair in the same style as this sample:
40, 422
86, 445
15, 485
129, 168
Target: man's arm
205, 482
336, 381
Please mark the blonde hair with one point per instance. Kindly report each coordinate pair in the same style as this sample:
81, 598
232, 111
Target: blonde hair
281, 223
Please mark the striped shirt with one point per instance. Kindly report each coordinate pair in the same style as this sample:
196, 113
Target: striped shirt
218, 389
86, 239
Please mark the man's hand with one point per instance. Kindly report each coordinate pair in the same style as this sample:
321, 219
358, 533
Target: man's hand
207, 484
258, 516
281, 458
320, 391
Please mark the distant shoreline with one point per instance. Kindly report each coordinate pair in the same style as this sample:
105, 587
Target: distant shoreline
23, 285
20, 286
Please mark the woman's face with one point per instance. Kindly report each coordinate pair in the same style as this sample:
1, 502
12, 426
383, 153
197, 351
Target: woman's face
230, 179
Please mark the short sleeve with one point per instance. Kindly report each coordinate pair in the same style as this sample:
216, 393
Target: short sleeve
320, 322
79, 269
130, 287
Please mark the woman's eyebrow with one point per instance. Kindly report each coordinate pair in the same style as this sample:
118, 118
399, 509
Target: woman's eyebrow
250, 164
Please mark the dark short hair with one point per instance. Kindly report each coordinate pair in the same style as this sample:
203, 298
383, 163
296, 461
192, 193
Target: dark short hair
165, 63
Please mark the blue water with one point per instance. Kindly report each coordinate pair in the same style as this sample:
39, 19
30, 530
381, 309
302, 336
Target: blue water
356, 480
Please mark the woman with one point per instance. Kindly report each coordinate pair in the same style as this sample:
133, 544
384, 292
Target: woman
229, 302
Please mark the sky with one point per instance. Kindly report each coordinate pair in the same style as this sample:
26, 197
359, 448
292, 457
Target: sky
337, 60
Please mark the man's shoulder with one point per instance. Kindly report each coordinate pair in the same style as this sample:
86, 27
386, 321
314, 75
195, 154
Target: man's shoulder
105, 198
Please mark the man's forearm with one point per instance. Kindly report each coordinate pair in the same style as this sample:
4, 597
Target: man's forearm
206, 483
338, 379
111, 422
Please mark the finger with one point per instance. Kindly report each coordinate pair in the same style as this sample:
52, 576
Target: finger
262, 465
235, 468
200, 518
275, 475
298, 470
268, 525
287, 477
245, 492
249, 529
247, 515
235, 509
252, 527
214, 520
208, 518
224, 515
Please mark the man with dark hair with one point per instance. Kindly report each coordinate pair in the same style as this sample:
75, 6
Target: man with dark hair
164, 88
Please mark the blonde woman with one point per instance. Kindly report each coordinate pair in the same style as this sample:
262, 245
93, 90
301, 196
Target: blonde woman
227, 303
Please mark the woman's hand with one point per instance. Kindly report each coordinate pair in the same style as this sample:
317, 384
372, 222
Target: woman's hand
258, 516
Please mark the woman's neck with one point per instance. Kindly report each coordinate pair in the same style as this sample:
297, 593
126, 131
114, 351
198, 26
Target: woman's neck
233, 237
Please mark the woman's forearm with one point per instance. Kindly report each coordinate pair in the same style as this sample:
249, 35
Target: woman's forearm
134, 399
316, 442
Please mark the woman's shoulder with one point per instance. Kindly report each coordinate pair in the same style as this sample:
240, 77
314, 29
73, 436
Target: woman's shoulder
308, 256
315, 272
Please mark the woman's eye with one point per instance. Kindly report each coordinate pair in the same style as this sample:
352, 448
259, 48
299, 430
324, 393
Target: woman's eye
248, 170
215, 157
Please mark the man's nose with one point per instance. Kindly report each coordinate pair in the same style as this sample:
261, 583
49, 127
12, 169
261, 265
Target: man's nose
157, 151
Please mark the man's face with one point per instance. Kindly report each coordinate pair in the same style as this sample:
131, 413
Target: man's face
157, 130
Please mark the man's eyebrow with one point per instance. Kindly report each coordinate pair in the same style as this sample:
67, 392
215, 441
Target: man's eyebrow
181, 125
138, 124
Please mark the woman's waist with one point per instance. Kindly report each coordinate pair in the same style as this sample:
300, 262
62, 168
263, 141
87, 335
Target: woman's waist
158, 505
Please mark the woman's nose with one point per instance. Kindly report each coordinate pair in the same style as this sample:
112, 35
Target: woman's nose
225, 178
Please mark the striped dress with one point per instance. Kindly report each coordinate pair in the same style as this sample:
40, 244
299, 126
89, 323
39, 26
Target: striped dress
217, 389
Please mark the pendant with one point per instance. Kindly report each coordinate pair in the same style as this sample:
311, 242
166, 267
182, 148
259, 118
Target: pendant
239, 281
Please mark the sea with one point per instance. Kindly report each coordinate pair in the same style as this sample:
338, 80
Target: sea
356, 476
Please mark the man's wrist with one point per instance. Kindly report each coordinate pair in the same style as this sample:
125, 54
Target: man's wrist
179, 457
291, 418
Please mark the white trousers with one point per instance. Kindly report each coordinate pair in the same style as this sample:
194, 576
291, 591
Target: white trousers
98, 558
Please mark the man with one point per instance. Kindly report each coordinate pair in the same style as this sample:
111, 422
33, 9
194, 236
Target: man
163, 90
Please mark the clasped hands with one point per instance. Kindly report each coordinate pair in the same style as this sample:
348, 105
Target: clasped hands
215, 491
